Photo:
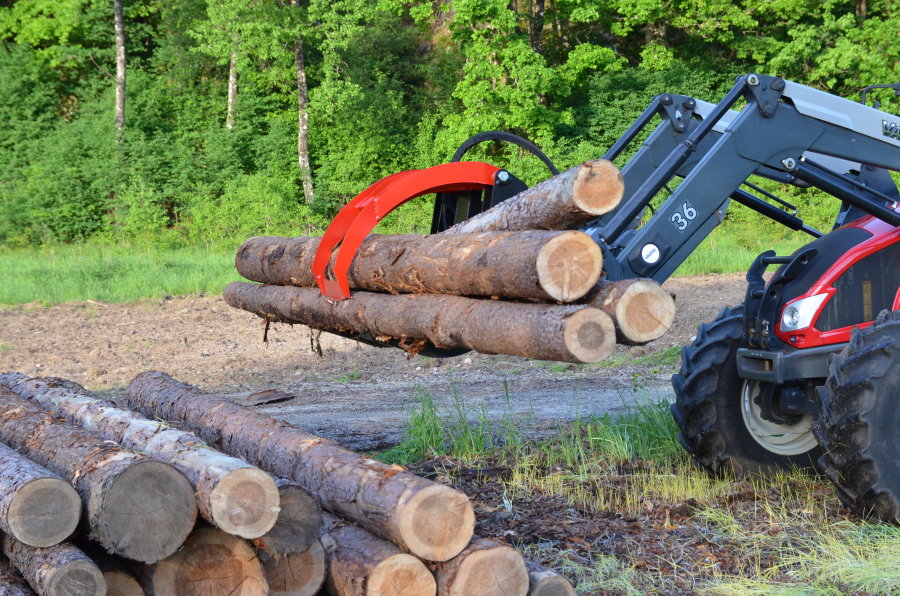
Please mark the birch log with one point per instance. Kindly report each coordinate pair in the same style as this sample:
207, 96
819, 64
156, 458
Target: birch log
641, 310
541, 331
11, 581
360, 564
297, 574
528, 265
60, 570
136, 507
428, 519
299, 520
231, 494
563, 202
37, 507
486, 568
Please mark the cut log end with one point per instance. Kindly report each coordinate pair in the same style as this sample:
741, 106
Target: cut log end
298, 522
399, 575
549, 584
598, 187
645, 312
245, 503
569, 265
119, 583
495, 571
590, 335
437, 523
148, 511
77, 578
299, 574
44, 512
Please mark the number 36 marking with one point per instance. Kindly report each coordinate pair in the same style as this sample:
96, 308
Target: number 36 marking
681, 221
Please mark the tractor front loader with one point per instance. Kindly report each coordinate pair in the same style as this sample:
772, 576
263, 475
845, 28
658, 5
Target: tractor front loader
807, 369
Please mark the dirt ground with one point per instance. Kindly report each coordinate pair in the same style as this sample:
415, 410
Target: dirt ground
354, 393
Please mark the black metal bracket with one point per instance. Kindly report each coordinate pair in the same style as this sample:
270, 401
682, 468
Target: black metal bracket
766, 91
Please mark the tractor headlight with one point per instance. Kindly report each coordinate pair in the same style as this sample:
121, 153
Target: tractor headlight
799, 314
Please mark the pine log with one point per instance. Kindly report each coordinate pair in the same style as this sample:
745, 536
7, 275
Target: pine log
546, 582
134, 506
540, 331
121, 583
486, 568
428, 519
11, 581
297, 574
37, 507
528, 265
641, 310
231, 494
299, 520
59, 570
563, 202
211, 562
360, 564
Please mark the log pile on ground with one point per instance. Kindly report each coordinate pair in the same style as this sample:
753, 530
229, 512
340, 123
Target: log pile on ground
513, 280
388, 532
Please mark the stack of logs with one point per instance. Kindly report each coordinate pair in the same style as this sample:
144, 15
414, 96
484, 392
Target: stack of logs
99, 499
515, 279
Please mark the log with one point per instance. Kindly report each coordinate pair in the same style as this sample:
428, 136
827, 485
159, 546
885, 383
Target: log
486, 568
11, 581
541, 331
563, 202
37, 507
641, 310
529, 265
134, 506
121, 583
297, 527
59, 570
297, 574
428, 519
360, 564
231, 494
546, 582
211, 562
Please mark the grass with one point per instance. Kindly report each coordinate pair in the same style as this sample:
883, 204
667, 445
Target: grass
734, 252
111, 274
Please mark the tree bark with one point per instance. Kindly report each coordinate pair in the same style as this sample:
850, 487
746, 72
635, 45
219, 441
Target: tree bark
546, 582
641, 310
211, 562
231, 494
530, 265
297, 574
60, 570
486, 568
120, 69
37, 507
562, 202
136, 507
232, 90
298, 522
428, 519
11, 581
361, 565
537, 27
565, 333
302, 118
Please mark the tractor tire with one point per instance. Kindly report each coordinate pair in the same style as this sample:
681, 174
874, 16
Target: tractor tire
858, 427
709, 403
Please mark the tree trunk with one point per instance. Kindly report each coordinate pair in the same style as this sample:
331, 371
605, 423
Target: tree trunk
297, 574
541, 331
530, 265
211, 562
120, 69
537, 27
641, 310
231, 494
37, 507
361, 565
546, 582
423, 517
302, 118
11, 581
136, 507
119, 582
60, 570
298, 522
486, 568
563, 202
232, 90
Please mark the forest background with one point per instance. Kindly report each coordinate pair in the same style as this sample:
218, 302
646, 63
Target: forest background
245, 117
